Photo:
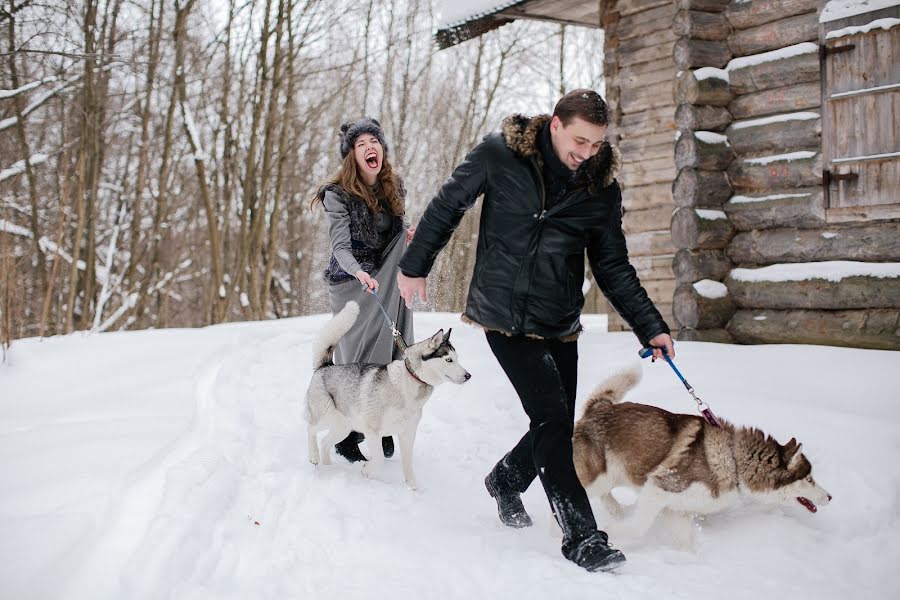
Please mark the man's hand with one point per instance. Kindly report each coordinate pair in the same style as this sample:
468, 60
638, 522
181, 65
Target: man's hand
409, 235
409, 287
368, 282
663, 340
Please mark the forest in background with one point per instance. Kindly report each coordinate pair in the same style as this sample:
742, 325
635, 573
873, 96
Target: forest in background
157, 157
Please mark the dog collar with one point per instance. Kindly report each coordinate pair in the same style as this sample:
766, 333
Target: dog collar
410, 371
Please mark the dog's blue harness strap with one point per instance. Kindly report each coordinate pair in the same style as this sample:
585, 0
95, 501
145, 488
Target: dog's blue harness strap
398, 337
704, 408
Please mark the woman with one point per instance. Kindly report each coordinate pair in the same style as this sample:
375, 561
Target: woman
364, 202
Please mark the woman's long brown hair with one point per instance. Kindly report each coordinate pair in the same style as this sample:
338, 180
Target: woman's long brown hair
387, 186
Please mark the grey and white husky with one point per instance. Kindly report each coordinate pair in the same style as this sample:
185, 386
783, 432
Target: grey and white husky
376, 400
681, 465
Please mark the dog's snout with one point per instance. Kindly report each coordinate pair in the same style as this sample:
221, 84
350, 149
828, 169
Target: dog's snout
468, 376
829, 497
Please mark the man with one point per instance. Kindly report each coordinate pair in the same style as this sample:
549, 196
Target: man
550, 194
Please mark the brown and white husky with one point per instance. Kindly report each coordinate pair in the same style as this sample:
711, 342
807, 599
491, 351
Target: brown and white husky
681, 465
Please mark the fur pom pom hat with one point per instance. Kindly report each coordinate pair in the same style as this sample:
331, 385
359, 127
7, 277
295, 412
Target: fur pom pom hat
353, 129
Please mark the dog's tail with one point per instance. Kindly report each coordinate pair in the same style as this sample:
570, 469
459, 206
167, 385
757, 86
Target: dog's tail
335, 329
614, 388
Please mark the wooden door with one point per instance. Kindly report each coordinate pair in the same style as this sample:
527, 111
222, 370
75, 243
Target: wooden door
861, 112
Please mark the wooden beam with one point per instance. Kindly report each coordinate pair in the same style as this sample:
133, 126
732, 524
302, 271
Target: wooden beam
868, 242
696, 229
875, 328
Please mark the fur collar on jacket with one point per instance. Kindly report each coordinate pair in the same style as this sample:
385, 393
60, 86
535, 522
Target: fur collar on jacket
521, 136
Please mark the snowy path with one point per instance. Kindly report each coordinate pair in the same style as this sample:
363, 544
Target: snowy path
226, 505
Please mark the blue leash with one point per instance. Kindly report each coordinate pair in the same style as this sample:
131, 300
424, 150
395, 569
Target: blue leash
703, 407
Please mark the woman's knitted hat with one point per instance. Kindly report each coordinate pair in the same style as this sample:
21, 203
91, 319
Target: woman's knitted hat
353, 129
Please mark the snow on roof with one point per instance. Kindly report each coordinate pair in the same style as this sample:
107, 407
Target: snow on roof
841, 9
458, 12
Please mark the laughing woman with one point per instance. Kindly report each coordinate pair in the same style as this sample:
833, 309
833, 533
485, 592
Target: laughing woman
364, 202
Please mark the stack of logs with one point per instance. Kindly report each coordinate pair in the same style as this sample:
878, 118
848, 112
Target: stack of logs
749, 185
701, 230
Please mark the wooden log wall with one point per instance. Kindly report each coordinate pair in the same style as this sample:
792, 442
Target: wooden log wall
640, 72
701, 230
774, 203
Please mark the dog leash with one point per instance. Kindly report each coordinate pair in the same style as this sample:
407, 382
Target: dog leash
702, 406
398, 337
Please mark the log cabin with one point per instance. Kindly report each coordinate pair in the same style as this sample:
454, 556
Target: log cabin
761, 148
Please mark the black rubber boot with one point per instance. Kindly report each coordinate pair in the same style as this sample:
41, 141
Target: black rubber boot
349, 447
594, 553
387, 446
509, 504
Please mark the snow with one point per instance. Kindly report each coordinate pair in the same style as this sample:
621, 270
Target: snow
748, 199
19, 167
876, 24
841, 9
711, 289
710, 215
710, 73
830, 235
199, 154
6, 94
14, 229
834, 271
173, 464
790, 156
457, 12
710, 137
796, 116
781, 53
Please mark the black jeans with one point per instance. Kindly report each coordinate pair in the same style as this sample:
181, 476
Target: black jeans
544, 374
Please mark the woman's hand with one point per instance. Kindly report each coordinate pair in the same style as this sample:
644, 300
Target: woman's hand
409, 235
368, 282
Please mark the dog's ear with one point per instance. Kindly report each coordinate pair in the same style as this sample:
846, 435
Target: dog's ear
447, 335
792, 453
436, 339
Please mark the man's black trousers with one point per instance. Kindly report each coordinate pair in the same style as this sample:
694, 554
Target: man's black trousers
544, 374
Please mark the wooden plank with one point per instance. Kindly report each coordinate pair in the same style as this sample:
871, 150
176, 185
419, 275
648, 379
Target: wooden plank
647, 196
662, 70
868, 242
716, 336
651, 219
653, 39
628, 7
640, 175
650, 243
653, 267
716, 6
771, 36
646, 54
646, 97
790, 98
744, 15
648, 121
645, 22
874, 328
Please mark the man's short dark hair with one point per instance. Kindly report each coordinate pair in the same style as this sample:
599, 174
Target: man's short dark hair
584, 104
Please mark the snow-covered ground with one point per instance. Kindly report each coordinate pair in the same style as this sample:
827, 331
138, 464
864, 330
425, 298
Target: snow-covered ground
173, 464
